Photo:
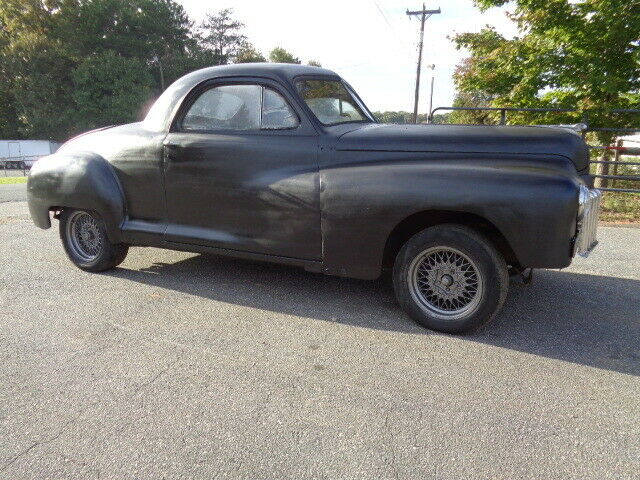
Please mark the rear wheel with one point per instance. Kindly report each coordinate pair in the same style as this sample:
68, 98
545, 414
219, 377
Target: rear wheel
85, 240
450, 278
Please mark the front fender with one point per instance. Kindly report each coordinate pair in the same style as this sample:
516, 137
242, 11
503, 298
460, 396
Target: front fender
76, 180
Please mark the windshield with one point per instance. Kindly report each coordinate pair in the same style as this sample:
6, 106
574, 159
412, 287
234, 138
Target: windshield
330, 101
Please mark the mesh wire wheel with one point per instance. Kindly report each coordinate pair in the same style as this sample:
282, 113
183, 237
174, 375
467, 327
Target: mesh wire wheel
445, 283
85, 236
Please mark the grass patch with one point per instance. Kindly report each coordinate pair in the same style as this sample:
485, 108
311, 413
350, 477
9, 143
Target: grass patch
6, 180
620, 207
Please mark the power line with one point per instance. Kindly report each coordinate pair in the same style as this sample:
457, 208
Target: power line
393, 30
383, 15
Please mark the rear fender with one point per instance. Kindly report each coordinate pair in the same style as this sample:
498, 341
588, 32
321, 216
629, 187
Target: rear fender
76, 180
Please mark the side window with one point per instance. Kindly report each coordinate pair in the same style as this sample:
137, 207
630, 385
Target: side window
239, 107
228, 107
276, 112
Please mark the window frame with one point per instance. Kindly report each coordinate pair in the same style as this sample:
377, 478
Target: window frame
370, 118
287, 103
199, 90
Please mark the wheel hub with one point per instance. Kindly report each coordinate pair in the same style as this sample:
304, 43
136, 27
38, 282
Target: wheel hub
89, 235
446, 280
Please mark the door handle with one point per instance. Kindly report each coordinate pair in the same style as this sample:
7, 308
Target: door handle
170, 153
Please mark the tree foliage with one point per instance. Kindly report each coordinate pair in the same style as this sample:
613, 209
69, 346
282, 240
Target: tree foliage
70, 65
222, 35
399, 117
571, 54
280, 55
249, 54
109, 88
130, 28
472, 98
55, 78
474, 117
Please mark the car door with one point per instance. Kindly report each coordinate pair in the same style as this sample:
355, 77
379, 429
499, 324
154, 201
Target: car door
241, 171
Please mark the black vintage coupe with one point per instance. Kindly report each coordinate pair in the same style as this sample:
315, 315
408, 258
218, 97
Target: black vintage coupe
285, 163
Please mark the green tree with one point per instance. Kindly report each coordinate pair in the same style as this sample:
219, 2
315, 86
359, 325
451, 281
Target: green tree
143, 29
314, 63
474, 117
582, 54
69, 65
110, 89
441, 118
45, 47
280, 55
42, 89
34, 72
222, 35
398, 117
8, 113
131, 28
473, 98
249, 54
393, 117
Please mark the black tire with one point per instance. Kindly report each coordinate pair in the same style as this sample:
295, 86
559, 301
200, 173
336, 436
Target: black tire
435, 283
92, 252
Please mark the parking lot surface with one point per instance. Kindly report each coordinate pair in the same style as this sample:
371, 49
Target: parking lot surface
13, 192
178, 365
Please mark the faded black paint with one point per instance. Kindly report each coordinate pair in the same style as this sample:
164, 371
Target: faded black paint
326, 198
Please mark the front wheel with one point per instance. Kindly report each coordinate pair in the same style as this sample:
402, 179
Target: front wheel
85, 240
450, 278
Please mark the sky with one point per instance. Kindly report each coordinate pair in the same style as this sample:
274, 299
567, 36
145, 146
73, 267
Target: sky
371, 43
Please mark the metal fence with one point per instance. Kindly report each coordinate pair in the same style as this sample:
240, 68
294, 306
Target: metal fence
606, 170
22, 163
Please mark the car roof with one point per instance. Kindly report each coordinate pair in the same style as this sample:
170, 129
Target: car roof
158, 117
283, 71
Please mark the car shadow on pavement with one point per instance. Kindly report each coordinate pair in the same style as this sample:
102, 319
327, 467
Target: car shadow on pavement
586, 319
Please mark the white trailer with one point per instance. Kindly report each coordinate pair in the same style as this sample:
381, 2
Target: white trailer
23, 154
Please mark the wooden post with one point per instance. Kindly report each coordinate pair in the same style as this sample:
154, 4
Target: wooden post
616, 158
602, 169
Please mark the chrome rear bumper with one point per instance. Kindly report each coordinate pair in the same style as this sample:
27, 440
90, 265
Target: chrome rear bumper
589, 210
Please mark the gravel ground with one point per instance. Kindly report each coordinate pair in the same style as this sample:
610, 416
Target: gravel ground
179, 365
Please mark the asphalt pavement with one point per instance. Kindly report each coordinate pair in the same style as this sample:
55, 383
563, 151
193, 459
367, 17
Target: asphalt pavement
13, 192
179, 365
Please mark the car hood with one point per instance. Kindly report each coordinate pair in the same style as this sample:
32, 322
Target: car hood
468, 139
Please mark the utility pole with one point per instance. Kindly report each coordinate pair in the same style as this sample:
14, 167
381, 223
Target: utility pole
424, 14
